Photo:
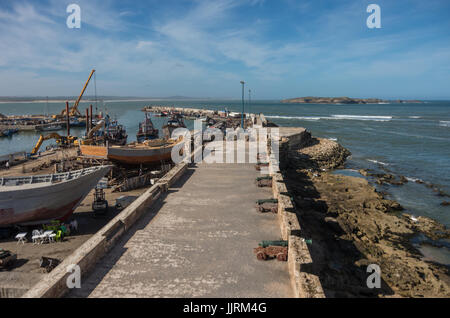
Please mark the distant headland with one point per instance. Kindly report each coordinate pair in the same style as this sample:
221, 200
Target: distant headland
343, 100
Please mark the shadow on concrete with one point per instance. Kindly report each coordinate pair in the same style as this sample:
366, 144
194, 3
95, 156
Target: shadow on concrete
104, 265
333, 258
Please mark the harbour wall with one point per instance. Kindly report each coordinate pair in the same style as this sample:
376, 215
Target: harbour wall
304, 284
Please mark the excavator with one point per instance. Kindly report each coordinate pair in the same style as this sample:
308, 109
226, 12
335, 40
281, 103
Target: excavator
73, 111
69, 140
89, 139
62, 140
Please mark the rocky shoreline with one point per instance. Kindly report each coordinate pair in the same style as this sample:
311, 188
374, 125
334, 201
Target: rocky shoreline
352, 225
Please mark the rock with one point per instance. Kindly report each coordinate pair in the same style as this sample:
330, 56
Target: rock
403, 179
363, 172
445, 203
392, 205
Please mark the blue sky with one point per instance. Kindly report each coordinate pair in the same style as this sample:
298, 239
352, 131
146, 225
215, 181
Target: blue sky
281, 48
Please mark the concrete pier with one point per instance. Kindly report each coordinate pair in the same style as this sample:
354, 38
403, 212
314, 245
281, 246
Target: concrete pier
196, 242
192, 234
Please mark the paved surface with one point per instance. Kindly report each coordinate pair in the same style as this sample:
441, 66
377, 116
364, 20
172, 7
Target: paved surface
197, 242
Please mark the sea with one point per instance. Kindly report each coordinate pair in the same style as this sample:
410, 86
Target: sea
412, 140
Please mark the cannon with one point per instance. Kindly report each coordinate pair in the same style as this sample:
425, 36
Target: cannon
259, 165
267, 205
265, 181
7, 258
48, 263
272, 249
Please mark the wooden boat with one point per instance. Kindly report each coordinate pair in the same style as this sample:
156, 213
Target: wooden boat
175, 121
38, 199
146, 130
148, 152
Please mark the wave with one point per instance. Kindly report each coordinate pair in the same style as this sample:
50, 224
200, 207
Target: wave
444, 123
332, 139
334, 117
378, 162
361, 117
411, 179
414, 117
416, 136
295, 117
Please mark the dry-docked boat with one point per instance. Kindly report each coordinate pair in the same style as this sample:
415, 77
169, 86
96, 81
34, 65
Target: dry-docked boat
37, 199
148, 152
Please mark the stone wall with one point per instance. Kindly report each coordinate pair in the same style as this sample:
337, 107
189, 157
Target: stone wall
305, 285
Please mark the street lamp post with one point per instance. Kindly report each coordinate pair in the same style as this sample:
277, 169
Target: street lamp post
242, 115
249, 100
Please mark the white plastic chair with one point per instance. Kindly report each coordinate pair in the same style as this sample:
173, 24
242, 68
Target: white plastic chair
51, 238
36, 236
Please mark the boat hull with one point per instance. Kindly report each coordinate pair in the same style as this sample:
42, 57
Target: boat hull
139, 156
39, 204
131, 155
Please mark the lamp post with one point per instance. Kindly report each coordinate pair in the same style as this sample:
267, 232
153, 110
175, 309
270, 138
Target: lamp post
242, 115
249, 100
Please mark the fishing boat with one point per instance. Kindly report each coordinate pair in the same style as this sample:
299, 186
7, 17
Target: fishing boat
146, 130
49, 127
75, 122
175, 121
9, 132
162, 114
31, 200
115, 133
146, 153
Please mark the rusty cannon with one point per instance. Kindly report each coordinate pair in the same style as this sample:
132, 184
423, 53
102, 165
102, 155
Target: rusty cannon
260, 165
272, 249
7, 259
267, 205
265, 181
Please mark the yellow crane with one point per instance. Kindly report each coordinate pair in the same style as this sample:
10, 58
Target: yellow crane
64, 140
74, 109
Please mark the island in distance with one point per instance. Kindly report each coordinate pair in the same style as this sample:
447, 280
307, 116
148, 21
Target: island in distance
343, 100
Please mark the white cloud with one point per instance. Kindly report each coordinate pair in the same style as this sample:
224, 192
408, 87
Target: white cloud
204, 50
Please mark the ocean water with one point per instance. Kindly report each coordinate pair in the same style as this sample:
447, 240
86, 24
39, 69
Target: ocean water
412, 140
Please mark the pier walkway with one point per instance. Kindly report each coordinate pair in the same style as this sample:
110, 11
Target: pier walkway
196, 242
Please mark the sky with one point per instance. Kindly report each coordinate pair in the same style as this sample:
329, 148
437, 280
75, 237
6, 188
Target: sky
280, 48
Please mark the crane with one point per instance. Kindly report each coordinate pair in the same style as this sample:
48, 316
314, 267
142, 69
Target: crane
74, 109
59, 139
